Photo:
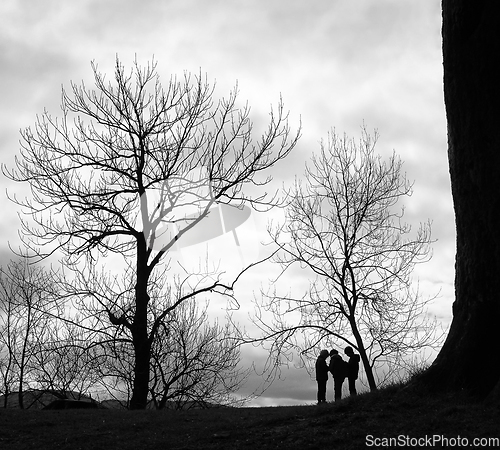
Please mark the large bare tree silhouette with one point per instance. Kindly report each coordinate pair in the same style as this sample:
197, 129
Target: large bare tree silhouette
90, 172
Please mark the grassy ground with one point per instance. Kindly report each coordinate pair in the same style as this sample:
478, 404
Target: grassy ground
391, 413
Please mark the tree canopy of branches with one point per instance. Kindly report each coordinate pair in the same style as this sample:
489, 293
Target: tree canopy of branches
343, 227
92, 172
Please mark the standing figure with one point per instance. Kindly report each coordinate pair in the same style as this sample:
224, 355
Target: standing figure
352, 369
322, 376
338, 369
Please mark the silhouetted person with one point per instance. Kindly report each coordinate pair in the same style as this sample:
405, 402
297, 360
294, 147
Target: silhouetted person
322, 375
352, 369
338, 369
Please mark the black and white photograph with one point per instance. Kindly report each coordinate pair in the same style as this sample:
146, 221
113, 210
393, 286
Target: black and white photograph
249, 224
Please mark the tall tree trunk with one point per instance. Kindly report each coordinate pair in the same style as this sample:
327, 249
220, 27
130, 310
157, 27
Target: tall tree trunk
471, 48
140, 336
140, 391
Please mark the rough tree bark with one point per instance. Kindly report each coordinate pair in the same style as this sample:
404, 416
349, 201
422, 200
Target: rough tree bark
471, 45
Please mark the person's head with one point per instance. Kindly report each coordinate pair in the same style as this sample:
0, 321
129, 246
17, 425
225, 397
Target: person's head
349, 351
323, 354
333, 352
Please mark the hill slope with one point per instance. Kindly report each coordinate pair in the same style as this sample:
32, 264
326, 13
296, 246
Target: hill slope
351, 424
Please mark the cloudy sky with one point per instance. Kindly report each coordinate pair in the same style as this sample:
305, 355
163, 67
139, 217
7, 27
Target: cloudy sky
336, 63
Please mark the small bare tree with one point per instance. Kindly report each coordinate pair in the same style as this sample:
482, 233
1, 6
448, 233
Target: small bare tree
65, 361
195, 362
344, 228
26, 299
113, 175
9, 335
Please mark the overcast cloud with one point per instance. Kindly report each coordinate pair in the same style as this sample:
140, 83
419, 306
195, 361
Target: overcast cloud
337, 63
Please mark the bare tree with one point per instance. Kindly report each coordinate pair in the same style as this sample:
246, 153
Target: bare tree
92, 173
65, 361
344, 229
26, 296
195, 362
9, 335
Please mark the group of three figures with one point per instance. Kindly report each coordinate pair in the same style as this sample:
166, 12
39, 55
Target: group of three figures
339, 369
